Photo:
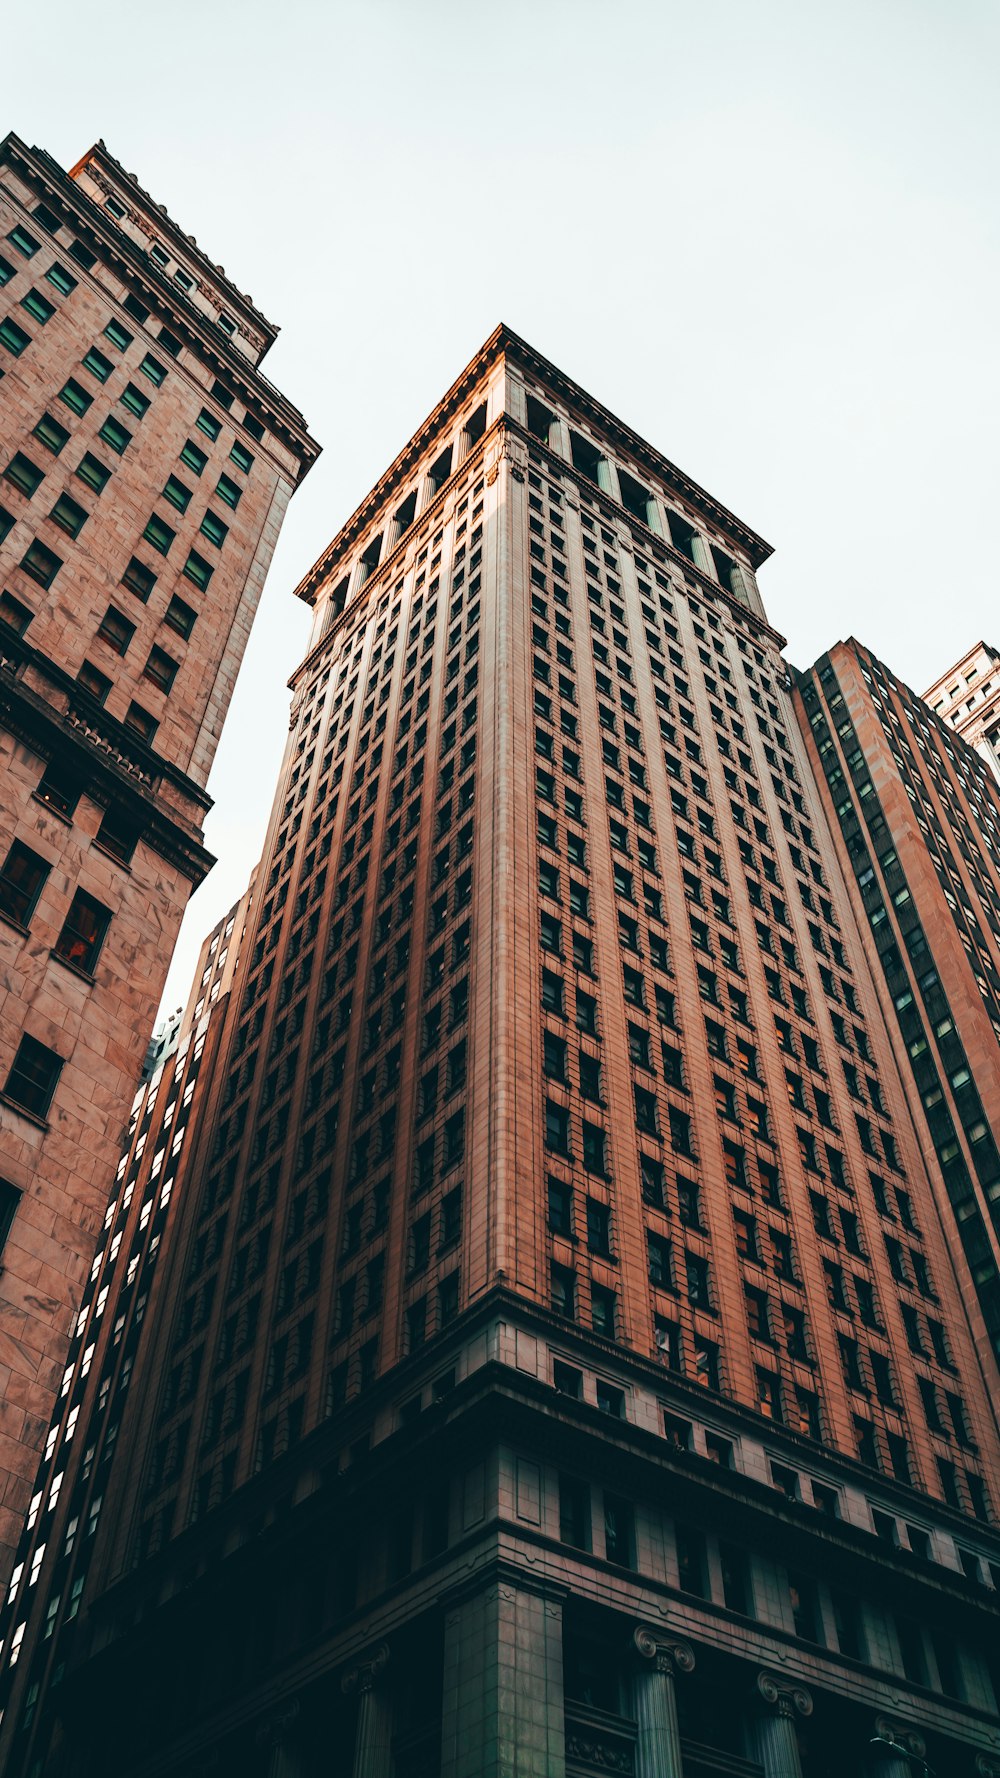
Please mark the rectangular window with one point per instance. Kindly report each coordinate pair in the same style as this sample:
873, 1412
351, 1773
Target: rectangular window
42, 564
33, 1076
70, 517
241, 457
75, 396
79, 943
198, 570
228, 491
160, 668
118, 335
152, 369
51, 434
25, 243
208, 424
139, 579
14, 616
159, 534
134, 400
21, 881
13, 337
61, 279
177, 494
24, 475
619, 1531
93, 473
180, 617
214, 529
10, 1198
115, 435
38, 306
116, 630
98, 366
142, 723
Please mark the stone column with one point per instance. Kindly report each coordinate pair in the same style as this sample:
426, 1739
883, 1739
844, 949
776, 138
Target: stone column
895, 1750
661, 1658
773, 1741
373, 1736
277, 1735
503, 1710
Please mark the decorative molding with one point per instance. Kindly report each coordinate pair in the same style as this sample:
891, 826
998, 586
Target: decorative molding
904, 1739
363, 1677
782, 1696
987, 1765
275, 1730
668, 1654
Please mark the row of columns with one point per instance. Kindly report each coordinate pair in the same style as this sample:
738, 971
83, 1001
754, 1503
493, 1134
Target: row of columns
503, 1705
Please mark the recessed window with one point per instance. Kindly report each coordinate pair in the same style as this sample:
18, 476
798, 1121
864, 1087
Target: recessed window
198, 570
208, 424
160, 668
159, 255
193, 457
214, 529
38, 306
25, 243
13, 337
115, 435
21, 881
134, 400
184, 279
139, 579
14, 617
228, 491
136, 309
7, 271
118, 834
32, 1079
75, 397
69, 515
241, 457
169, 342
79, 943
153, 369
98, 366
141, 722
118, 335
10, 1198
42, 564
159, 534
7, 522
116, 630
180, 617
59, 788
93, 681
23, 475
177, 494
254, 427
52, 434
115, 209
93, 472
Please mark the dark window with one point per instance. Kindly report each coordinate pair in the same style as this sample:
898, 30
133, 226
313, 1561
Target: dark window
116, 630
14, 616
98, 366
574, 1512
33, 1076
159, 533
118, 834
619, 1531
10, 1198
93, 473
68, 515
139, 579
180, 616
23, 475
602, 1311
115, 435
83, 933
21, 881
51, 434
198, 570
94, 683
141, 722
160, 668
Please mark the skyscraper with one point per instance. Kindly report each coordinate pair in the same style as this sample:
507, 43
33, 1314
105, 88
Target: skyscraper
146, 467
533, 1386
967, 698
919, 813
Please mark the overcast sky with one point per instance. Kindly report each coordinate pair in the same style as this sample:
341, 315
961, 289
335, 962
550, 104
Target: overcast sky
763, 232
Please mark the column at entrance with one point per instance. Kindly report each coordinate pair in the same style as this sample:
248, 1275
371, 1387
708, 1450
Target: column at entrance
895, 1750
661, 1659
373, 1736
503, 1708
777, 1702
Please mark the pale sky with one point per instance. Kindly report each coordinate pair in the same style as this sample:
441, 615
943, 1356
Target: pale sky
763, 232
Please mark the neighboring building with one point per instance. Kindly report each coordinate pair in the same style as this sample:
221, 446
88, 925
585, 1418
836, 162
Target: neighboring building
531, 1386
919, 813
145, 469
165, 1130
968, 700
163, 1042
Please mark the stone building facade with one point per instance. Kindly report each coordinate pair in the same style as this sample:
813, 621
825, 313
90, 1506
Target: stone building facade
967, 698
146, 467
531, 1388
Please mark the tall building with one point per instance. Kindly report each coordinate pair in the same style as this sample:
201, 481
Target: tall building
968, 699
531, 1386
919, 813
146, 467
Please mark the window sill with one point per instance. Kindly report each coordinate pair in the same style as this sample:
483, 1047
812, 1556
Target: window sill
74, 968
40, 1123
51, 809
15, 925
122, 863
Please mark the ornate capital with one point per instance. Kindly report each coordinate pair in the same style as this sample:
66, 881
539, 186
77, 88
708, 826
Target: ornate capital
668, 1654
507, 447
987, 1765
275, 1729
773, 1692
900, 1737
362, 1678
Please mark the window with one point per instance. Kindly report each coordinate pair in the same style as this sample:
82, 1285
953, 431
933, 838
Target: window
98, 366
241, 457
51, 434
117, 834
14, 616
619, 1531
208, 424
10, 1198
133, 399
769, 1400
602, 1311
155, 371
33, 1076
160, 668
116, 630
180, 616
560, 1207
159, 534
198, 570
21, 881
70, 517
696, 1272
193, 457
41, 564
598, 1227
213, 528
227, 490
115, 435
13, 337
574, 1512
24, 475
25, 243
118, 335
139, 579
83, 933
38, 306
94, 683
563, 1287
658, 1250
93, 473
177, 494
